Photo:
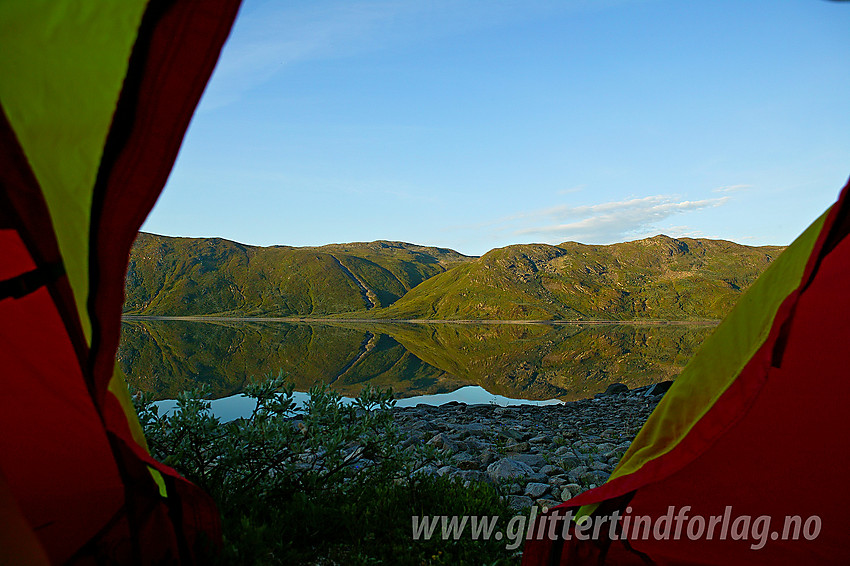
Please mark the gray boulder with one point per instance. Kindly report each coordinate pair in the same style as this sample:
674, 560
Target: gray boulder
615, 389
442, 440
597, 477
535, 490
487, 457
533, 460
568, 461
466, 461
550, 470
519, 502
570, 490
575, 474
658, 388
508, 468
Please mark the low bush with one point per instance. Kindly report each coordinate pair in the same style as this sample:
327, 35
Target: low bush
328, 483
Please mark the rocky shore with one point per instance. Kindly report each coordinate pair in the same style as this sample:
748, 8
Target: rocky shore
542, 454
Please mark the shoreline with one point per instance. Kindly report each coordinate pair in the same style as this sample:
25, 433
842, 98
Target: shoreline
325, 320
543, 455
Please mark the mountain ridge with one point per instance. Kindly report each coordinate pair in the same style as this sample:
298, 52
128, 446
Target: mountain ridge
653, 278
202, 276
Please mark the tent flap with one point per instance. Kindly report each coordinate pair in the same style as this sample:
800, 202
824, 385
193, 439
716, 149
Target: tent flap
94, 103
753, 453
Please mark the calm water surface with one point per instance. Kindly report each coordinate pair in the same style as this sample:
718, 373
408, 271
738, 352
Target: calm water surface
515, 361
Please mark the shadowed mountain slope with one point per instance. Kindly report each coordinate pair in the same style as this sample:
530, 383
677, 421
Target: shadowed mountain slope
201, 276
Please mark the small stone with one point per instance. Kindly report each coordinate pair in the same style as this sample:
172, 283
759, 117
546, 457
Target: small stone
616, 389
575, 474
538, 477
659, 388
568, 461
569, 491
474, 429
441, 440
563, 450
508, 468
515, 435
597, 477
475, 445
519, 447
466, 461
535, 490
550, 470
487, 457
519, 502
533, 460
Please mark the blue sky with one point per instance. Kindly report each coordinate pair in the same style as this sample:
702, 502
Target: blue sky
475, 124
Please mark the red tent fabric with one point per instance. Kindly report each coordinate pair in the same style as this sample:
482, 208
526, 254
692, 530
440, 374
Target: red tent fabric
96, 98
750, 438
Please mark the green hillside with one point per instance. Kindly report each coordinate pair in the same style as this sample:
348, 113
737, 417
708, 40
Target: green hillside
657, 278
201, 276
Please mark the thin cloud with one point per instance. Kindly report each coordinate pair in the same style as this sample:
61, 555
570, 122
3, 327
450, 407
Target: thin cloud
730, 188
269, 37
572, 190
610, 221
682, 232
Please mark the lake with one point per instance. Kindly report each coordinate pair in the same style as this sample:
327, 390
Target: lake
518, 361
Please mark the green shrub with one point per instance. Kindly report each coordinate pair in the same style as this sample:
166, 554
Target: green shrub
331, 483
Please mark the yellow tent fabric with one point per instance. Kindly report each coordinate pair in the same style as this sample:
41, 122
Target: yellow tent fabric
95, 98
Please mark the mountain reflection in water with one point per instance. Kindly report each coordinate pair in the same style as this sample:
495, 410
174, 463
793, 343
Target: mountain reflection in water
519, 361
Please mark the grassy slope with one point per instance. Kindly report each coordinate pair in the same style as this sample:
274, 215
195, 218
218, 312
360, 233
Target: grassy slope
200, 276
655, 278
